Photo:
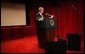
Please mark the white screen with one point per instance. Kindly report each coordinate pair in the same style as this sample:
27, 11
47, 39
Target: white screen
13, 14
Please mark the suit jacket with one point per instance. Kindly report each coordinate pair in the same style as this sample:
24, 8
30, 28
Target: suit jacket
39, 16
39, 23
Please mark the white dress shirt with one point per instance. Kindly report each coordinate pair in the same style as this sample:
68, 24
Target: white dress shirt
42, 18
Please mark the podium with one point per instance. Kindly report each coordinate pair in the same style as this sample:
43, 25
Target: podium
45, 31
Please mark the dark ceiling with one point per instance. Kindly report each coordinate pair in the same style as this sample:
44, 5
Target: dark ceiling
34, 3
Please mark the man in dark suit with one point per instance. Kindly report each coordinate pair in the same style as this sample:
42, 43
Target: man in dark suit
39, 15
39, 22
39, 26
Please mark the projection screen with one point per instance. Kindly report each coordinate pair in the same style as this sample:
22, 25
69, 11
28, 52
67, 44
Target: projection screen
13, 14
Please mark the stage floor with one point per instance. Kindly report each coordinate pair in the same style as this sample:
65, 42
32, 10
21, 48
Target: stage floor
27, 44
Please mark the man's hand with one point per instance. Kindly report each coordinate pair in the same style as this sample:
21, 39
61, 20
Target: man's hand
52, 16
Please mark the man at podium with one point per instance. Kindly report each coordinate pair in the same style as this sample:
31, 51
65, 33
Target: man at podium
41, 26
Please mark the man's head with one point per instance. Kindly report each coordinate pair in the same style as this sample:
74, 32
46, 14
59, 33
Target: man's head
41, 9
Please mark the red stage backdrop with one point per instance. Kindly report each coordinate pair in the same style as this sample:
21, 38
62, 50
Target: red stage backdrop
68, 15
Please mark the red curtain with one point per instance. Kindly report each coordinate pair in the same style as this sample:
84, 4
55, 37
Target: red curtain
68, 16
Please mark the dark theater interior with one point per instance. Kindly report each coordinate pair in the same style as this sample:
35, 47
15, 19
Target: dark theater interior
22, 33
